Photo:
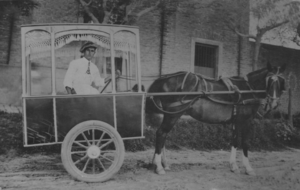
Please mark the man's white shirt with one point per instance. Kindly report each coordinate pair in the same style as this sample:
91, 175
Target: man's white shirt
77, 77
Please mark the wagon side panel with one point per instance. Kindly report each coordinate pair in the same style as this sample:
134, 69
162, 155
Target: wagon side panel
72, 111
43, 128
39, 121
130, 115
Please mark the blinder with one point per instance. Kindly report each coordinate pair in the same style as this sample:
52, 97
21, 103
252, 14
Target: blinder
275, 78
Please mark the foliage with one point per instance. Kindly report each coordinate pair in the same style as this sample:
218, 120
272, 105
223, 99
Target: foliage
296, 121
11, 131
279, 16
24, 6
114, 11
269, 14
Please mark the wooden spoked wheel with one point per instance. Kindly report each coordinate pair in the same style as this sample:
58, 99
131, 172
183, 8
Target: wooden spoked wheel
93, 151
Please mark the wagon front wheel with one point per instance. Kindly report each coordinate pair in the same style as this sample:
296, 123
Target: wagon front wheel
92, 151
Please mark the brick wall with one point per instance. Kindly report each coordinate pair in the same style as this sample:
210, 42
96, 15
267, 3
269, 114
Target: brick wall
182, 24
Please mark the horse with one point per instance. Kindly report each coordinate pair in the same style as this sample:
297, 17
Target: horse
209, 106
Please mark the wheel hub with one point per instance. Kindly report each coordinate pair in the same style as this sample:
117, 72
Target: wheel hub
93, 151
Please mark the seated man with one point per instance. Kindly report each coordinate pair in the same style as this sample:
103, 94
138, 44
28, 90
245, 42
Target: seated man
82, 73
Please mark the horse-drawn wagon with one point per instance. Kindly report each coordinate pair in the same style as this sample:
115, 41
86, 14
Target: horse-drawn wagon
91, 128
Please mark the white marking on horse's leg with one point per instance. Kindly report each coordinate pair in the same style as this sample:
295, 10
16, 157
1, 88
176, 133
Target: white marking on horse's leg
164, 159
247, 165
157, 161
233, 166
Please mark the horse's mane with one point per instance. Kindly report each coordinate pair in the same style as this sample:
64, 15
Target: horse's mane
253, 76
170, 75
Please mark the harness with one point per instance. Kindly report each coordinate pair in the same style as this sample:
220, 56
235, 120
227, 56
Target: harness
274, 78
227, 81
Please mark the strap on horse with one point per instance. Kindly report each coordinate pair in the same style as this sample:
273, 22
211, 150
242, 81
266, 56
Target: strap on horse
231, 87
182, 102
188, 104
184, 81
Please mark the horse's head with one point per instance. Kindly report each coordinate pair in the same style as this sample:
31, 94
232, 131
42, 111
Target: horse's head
275, 85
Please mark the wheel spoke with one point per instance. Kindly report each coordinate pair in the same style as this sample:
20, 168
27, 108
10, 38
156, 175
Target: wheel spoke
86, 139
93, 136
79, 152
81, 159
101, 138
105, 144
78, 143
101, 164
106, 158
93, 166
87, 162
109, 151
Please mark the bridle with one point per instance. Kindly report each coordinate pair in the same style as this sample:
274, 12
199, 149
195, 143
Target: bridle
275, 79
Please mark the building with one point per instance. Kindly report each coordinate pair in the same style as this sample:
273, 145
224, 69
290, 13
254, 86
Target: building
170, 37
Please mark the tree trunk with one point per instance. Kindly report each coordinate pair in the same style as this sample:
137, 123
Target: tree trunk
290, 115
10, 36
87, 10
256, 52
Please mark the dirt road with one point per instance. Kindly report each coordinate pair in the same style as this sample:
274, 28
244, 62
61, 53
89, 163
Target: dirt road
190, 170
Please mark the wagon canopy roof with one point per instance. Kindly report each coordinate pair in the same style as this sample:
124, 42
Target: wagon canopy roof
38, 41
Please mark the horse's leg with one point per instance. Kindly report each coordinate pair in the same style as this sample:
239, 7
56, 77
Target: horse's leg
245, 145
234, 143
161, 134
164, 159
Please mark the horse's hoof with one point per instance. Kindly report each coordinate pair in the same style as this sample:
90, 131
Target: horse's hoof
160, 172
250, 172
234, 168
167, 168
236, 171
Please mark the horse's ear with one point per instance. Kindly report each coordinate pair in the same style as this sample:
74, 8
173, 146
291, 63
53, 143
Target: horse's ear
282, 68
269, 66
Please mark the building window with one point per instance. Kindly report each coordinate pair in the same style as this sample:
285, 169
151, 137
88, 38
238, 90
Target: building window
206, 57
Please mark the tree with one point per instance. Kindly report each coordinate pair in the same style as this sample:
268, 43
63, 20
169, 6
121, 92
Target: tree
9, 11
115, 11
278, 16
23, 6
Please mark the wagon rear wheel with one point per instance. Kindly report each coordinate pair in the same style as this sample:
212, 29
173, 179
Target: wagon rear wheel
92, 151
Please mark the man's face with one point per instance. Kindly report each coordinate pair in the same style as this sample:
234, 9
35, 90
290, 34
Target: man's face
89, 53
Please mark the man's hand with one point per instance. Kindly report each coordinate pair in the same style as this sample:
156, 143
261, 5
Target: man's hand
118, 74
70, 90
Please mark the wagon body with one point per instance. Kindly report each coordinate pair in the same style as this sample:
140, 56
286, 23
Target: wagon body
91, 128
44, 126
